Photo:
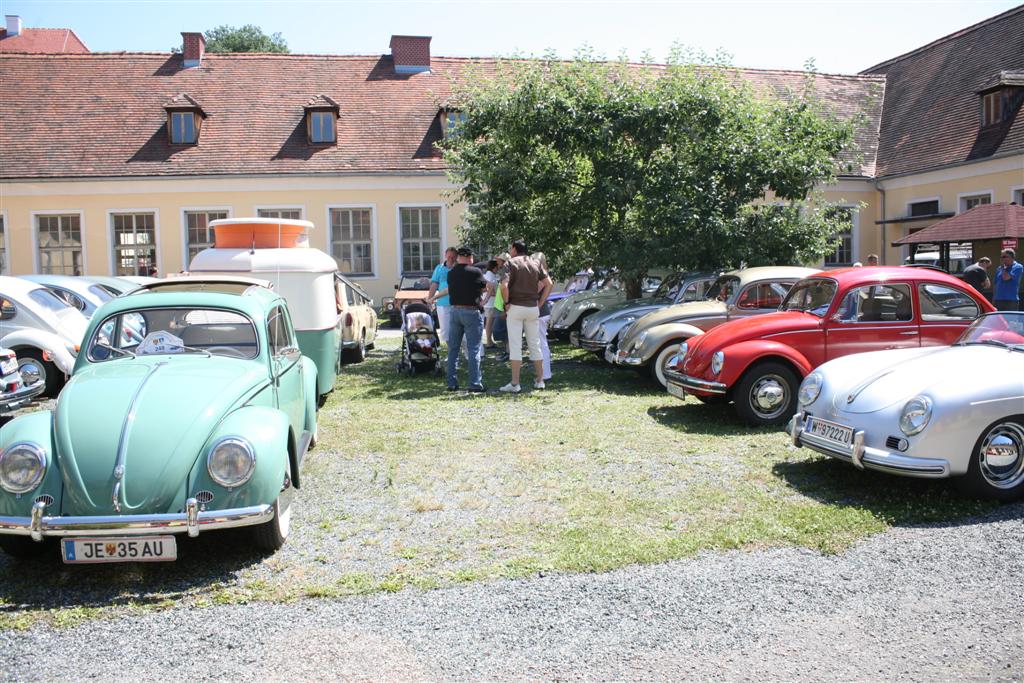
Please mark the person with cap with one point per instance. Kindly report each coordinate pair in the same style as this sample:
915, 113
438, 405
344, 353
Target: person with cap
466, 284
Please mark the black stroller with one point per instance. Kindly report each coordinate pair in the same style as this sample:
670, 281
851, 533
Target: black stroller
421, 345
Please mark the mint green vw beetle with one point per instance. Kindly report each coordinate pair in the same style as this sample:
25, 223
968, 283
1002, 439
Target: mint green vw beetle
187, 411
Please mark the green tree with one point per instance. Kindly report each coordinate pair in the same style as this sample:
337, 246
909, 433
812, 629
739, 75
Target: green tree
248, 38
642, 167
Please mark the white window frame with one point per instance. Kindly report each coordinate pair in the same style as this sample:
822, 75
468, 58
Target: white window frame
329, 115
1013, 194
375, 241
282, 207
6, 270
854, 210
922, 200
185, 210
112, 269
961, 199
34, 218
995, 96
398, 228
195, 126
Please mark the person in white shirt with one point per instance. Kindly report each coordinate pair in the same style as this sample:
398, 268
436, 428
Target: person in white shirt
491, 276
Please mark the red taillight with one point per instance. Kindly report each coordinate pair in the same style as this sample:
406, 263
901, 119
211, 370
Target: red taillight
348, 320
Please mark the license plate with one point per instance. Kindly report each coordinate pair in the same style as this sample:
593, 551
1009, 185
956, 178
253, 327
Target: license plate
93, 550
8, 367
829, 430
676, 390
574, 338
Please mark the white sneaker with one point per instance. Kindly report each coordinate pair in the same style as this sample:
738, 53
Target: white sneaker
538, 385
511, 388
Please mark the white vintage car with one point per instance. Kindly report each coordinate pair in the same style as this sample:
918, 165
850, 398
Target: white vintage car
948, 411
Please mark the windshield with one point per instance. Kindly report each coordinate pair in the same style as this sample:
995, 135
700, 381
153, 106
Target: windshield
810, 296
100, 293
418, 284
723, 288
159, 331
669, 287
999, 329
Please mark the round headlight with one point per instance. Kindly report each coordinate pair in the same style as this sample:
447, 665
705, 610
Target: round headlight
810, 389
231, 462
717, 361
916, 414
22, 467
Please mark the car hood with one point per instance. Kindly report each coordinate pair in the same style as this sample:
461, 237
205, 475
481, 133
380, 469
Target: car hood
745, 329
594, 295
635, 307
875, 381
680, 313
160, 410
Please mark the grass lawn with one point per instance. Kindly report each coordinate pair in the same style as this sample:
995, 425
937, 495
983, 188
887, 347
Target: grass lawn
411, 485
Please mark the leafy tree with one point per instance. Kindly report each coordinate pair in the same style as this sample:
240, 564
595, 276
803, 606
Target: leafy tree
248, 38
642, 167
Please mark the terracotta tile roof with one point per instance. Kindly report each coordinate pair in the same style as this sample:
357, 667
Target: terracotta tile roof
988, 221
932, 111
43, 40
106, 115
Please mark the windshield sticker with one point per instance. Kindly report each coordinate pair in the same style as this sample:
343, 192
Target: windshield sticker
160, 342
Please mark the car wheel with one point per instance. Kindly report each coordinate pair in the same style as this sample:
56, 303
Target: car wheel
361, 349
996, 469
270, 536
22, 547
34, 369
767, 394
660, 360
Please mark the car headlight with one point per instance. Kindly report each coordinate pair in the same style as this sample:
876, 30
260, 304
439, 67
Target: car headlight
717, 361
22, 467
916, 414
231, 462
810, 389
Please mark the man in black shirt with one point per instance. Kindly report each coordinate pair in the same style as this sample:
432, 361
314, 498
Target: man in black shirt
977, 275
466, 283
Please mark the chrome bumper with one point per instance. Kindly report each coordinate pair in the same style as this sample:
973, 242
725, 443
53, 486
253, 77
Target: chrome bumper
191, 521
592, 344
694, 384
866, 457
623, 358
20, 397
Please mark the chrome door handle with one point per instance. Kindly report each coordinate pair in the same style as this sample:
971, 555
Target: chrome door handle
906, 333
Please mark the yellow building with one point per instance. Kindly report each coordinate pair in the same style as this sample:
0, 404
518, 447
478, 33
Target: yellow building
114, 163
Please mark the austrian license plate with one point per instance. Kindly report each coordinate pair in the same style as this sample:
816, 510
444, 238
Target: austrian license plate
574, 338
829, 431
93, 550
8, 367
676, 390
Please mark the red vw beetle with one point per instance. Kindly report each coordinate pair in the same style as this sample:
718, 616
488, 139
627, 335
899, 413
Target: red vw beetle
758, 362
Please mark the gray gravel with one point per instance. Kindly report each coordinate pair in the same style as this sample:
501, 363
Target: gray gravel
927, 603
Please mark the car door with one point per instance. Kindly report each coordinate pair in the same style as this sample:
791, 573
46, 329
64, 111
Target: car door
872, 318
946, 311
286, 366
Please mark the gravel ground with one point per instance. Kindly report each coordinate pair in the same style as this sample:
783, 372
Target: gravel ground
915, 603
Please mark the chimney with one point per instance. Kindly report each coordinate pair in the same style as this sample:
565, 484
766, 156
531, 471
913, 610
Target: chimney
411, 54
193, 47
13, 24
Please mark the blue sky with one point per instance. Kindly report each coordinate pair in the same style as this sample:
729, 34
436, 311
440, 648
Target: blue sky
841, 37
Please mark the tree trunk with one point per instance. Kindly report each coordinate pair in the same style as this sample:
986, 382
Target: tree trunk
634, 286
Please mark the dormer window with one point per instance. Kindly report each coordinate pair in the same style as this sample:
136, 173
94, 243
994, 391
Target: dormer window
451, 121
992, 108
184, 120
321, 120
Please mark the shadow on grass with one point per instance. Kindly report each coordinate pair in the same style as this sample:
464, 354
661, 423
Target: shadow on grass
899, 501
204, 565
696, 418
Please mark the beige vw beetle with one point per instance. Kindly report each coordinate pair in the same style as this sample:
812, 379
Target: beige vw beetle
359, 318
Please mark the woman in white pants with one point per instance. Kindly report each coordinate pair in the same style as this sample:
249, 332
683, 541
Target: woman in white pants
543, 320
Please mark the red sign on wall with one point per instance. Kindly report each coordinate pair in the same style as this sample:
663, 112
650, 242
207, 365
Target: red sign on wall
1009, 243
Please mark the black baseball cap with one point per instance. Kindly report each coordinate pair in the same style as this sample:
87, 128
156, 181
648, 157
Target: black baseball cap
464, 251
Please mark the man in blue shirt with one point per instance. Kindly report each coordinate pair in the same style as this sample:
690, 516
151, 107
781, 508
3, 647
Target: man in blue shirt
1006, 283
439, 282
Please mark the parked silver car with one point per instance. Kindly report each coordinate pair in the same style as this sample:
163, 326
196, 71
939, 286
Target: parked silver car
14, 392
947, 411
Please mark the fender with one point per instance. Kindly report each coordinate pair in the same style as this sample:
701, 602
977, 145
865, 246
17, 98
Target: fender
739, 357
267, 430
311, 397
54, 344
34, 428
666, 333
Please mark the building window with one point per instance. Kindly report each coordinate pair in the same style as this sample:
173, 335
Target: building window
60, 245
352, 240
421, 239
992, 108
968, 203
452, 121
198, 234
134, 243
183, 128
1018, 197
286, 214
321, 126
843, 255
926, 208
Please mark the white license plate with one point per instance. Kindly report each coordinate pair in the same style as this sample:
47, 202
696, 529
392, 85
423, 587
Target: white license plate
676, 390
829, 430
143, 549
8, 367
574, 338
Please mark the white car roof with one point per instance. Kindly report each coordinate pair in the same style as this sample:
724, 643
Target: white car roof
264, 261
16, 286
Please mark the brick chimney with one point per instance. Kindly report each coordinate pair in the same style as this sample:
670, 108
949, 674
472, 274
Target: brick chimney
411, 54
13, 24
193, 47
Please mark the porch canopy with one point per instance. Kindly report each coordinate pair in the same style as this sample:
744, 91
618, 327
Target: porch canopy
985, 222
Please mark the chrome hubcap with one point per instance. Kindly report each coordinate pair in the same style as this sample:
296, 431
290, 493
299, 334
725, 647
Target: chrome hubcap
31, 372
769, 396
1001, 455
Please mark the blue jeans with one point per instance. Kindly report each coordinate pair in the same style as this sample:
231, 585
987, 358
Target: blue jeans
468, 322
499, 331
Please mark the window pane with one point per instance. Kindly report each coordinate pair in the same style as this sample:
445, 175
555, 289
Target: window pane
924, 208
134, 243
59, 245
942, 303
878, 303
352, 241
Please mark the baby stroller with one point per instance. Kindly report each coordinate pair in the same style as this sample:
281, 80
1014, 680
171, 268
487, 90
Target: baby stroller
420, 343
